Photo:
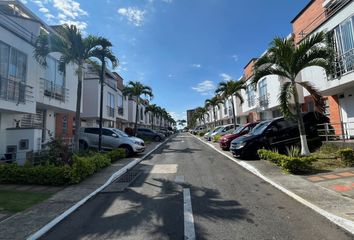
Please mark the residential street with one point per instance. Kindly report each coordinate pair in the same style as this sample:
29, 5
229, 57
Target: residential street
227, 202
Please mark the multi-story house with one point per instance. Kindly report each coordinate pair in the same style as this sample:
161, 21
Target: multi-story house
262, 103
31, 96
336, 19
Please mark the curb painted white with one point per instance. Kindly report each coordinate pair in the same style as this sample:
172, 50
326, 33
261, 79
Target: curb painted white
114, 176
189, 231
339, 221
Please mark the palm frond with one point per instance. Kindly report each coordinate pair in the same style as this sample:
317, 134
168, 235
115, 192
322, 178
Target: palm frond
315, 95
285, 96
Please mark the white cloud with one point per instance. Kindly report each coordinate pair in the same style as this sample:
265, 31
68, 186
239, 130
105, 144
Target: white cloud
196, 65
67, 11
235, 57
206, 87
178, 116
225, 77
24, 1
133, 15
170, 75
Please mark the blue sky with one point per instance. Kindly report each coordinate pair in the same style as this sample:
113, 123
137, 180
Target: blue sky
181, 48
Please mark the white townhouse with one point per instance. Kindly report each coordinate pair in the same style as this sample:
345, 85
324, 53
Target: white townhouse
336, 19
31, 96
114, 113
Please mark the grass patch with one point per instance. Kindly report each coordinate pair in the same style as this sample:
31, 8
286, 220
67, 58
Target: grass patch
327, 158
16, 201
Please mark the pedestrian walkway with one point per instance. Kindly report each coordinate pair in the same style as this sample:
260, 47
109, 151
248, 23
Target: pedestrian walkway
37, 216
30, 188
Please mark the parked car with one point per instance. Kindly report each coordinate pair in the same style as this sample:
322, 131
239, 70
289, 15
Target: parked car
208, 134
198, 129
148, 133
226, 140
111, 138
221, 131
276, 134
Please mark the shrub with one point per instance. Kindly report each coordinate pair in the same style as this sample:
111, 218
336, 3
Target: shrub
287, 163
116, 154
346, 156
217, 138
202, 133
293, 151
82, 167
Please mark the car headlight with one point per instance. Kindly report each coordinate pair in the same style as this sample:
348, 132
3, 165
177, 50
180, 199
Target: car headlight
241, 145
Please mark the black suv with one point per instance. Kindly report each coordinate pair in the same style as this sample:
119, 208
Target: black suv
276, 134
148, 133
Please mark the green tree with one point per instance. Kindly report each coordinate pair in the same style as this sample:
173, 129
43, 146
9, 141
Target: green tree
104, 54
231, 89
200, 113
73, 48
214, 103
135, 90
286, 59
153, 110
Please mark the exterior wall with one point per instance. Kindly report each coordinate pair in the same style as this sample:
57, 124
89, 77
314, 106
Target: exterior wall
334, 111
60, 130
311, 17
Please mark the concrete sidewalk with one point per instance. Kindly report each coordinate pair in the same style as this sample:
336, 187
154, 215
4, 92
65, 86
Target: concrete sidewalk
314, 194
23, 224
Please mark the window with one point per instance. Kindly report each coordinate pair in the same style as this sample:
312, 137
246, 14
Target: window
64, 126
92, 130
107, 132
54, 82
263, 99
225, 108
23, 144
141, 114
120, 104
110, 105
13, 68
250, 95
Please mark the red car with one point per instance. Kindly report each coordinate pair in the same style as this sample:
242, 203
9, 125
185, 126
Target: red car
225, 140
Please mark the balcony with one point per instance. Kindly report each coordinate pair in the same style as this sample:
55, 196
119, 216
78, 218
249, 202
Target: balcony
15, 91
110, 111
343, 64
53, 90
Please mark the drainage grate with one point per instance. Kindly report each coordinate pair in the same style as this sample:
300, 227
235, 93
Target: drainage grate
123, 182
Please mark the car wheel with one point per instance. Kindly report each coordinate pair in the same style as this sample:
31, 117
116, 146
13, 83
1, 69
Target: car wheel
157, 138
83, 145
128, 151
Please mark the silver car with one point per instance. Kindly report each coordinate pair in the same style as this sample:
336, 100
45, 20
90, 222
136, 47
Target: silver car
111, 138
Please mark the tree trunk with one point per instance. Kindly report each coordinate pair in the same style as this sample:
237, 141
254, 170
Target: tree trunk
304, 147
136, 116
152, 122
78, 107
233, 111
102, 74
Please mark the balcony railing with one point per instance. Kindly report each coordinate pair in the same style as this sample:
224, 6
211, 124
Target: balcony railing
15, 91
343, 64
263, 100
110, 111
54, 91
121, 111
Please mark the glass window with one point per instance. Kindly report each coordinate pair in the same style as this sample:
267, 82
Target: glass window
64, 125
17, 66
263, 88
250, 95
4, 59
107, 132
92, 130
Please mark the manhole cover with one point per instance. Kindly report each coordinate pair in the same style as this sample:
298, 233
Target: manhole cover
123, 182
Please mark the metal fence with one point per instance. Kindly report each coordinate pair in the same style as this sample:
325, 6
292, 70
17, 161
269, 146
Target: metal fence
338, 131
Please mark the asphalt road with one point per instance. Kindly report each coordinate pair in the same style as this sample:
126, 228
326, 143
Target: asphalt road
227, 203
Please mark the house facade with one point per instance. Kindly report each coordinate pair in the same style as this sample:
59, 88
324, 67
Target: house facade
336, 19
31, 96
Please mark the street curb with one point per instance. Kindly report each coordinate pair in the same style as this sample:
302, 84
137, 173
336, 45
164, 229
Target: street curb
114, 176
339, 221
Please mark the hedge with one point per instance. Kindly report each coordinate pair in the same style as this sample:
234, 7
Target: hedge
116, 154
347, 156
81, 168
294, 165
217, 138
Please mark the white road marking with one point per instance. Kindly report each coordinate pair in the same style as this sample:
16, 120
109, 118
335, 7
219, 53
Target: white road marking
189, 231
339, 221
164, 168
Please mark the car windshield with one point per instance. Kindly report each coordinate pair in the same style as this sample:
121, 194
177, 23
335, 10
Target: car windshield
120, 132
237, 130
260, 128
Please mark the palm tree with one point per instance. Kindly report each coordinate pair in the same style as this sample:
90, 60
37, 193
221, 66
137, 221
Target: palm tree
214, 103
134, 90
229, 89
286, 59
104, 54
153, 110
73, 48
200, 113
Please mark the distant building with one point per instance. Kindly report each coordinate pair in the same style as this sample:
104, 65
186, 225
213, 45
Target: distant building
190, 114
